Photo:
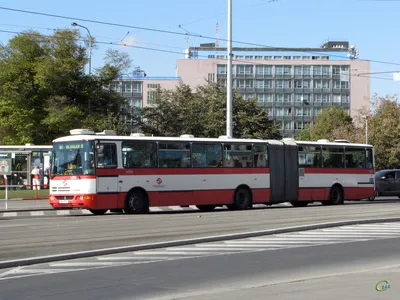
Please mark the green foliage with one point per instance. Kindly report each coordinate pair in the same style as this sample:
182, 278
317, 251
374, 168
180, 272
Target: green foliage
44, 91
332, 121
203, 114
384, 132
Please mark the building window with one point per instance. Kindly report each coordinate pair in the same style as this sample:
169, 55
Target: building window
317, 111
152, 97
336, 84
283, 97
344, 84
325, 70
153, 85
336, 99
211, 77
279, 70
317, 84
263, 70
335, 70
221, 69
270, 112
317, 70
307, 70
345, 99
244, 69
244, 83
287, 125
301, 98
258, 57
260, 83
298, 70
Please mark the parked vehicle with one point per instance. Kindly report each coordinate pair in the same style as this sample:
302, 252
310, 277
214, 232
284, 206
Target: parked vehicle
387, 183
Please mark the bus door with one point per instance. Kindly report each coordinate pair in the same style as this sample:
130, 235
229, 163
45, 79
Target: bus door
108, 182
284, 172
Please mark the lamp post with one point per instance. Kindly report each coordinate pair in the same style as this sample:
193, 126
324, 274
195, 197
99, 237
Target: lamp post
229, 75
90, 45
366, 128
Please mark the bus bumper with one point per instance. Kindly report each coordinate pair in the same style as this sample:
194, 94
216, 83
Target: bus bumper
75, 201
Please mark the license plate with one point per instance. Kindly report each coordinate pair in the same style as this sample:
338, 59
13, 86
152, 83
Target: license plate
63, 201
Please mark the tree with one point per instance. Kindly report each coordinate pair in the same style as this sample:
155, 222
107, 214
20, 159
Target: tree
44, 91
384, 131
332, 123
203, 114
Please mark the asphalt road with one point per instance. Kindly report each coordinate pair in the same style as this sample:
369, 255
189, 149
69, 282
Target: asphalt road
28, 237
330, 271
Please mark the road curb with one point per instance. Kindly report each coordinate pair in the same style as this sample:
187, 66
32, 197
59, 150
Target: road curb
115, 250
26, 210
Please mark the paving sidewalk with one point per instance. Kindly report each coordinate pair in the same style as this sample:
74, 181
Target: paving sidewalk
24, 205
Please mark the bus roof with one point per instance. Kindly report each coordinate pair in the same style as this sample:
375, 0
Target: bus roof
25, 147
189, 138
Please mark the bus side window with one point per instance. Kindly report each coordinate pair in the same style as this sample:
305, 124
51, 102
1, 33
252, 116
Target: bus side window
107, 156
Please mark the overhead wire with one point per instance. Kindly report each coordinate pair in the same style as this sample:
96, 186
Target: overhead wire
180, 53
180, 33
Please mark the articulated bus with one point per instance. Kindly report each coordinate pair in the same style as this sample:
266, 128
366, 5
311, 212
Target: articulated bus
130, 174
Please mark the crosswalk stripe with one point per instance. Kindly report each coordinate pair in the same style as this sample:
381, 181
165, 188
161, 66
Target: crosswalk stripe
134, 258
239, 245
207, 250
170, 253
82, 264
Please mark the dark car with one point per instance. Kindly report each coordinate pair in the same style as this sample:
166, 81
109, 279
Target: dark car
387, 183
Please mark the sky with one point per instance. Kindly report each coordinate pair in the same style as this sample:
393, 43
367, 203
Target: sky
370, 25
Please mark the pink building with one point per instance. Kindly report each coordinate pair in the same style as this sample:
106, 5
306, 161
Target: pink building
293, 84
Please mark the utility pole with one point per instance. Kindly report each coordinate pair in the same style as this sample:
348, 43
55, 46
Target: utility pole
229, 75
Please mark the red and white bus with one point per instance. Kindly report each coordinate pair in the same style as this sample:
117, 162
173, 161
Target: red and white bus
103, 171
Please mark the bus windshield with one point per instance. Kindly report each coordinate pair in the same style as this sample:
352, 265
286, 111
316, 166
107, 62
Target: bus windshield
73, 158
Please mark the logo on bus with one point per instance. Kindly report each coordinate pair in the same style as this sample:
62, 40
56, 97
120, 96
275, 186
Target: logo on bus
159, 180
65, 183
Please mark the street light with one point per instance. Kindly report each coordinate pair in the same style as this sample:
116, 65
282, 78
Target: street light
90, 45
366, 128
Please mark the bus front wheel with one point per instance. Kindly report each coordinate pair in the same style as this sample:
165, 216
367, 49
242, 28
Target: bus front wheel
241, 200
137, 203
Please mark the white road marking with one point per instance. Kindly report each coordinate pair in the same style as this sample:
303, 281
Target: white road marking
62, 212
155, 209
133, 258
83, 264
37, 213
9, 214
207, 250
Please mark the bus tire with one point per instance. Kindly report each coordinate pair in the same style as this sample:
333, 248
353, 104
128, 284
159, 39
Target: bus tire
336, 195
206, 208
299, 203
136, 202
98, 212
241, 199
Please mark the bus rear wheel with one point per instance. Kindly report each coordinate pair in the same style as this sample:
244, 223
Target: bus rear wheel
206, 208
136, 203
335, 196
98, 212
